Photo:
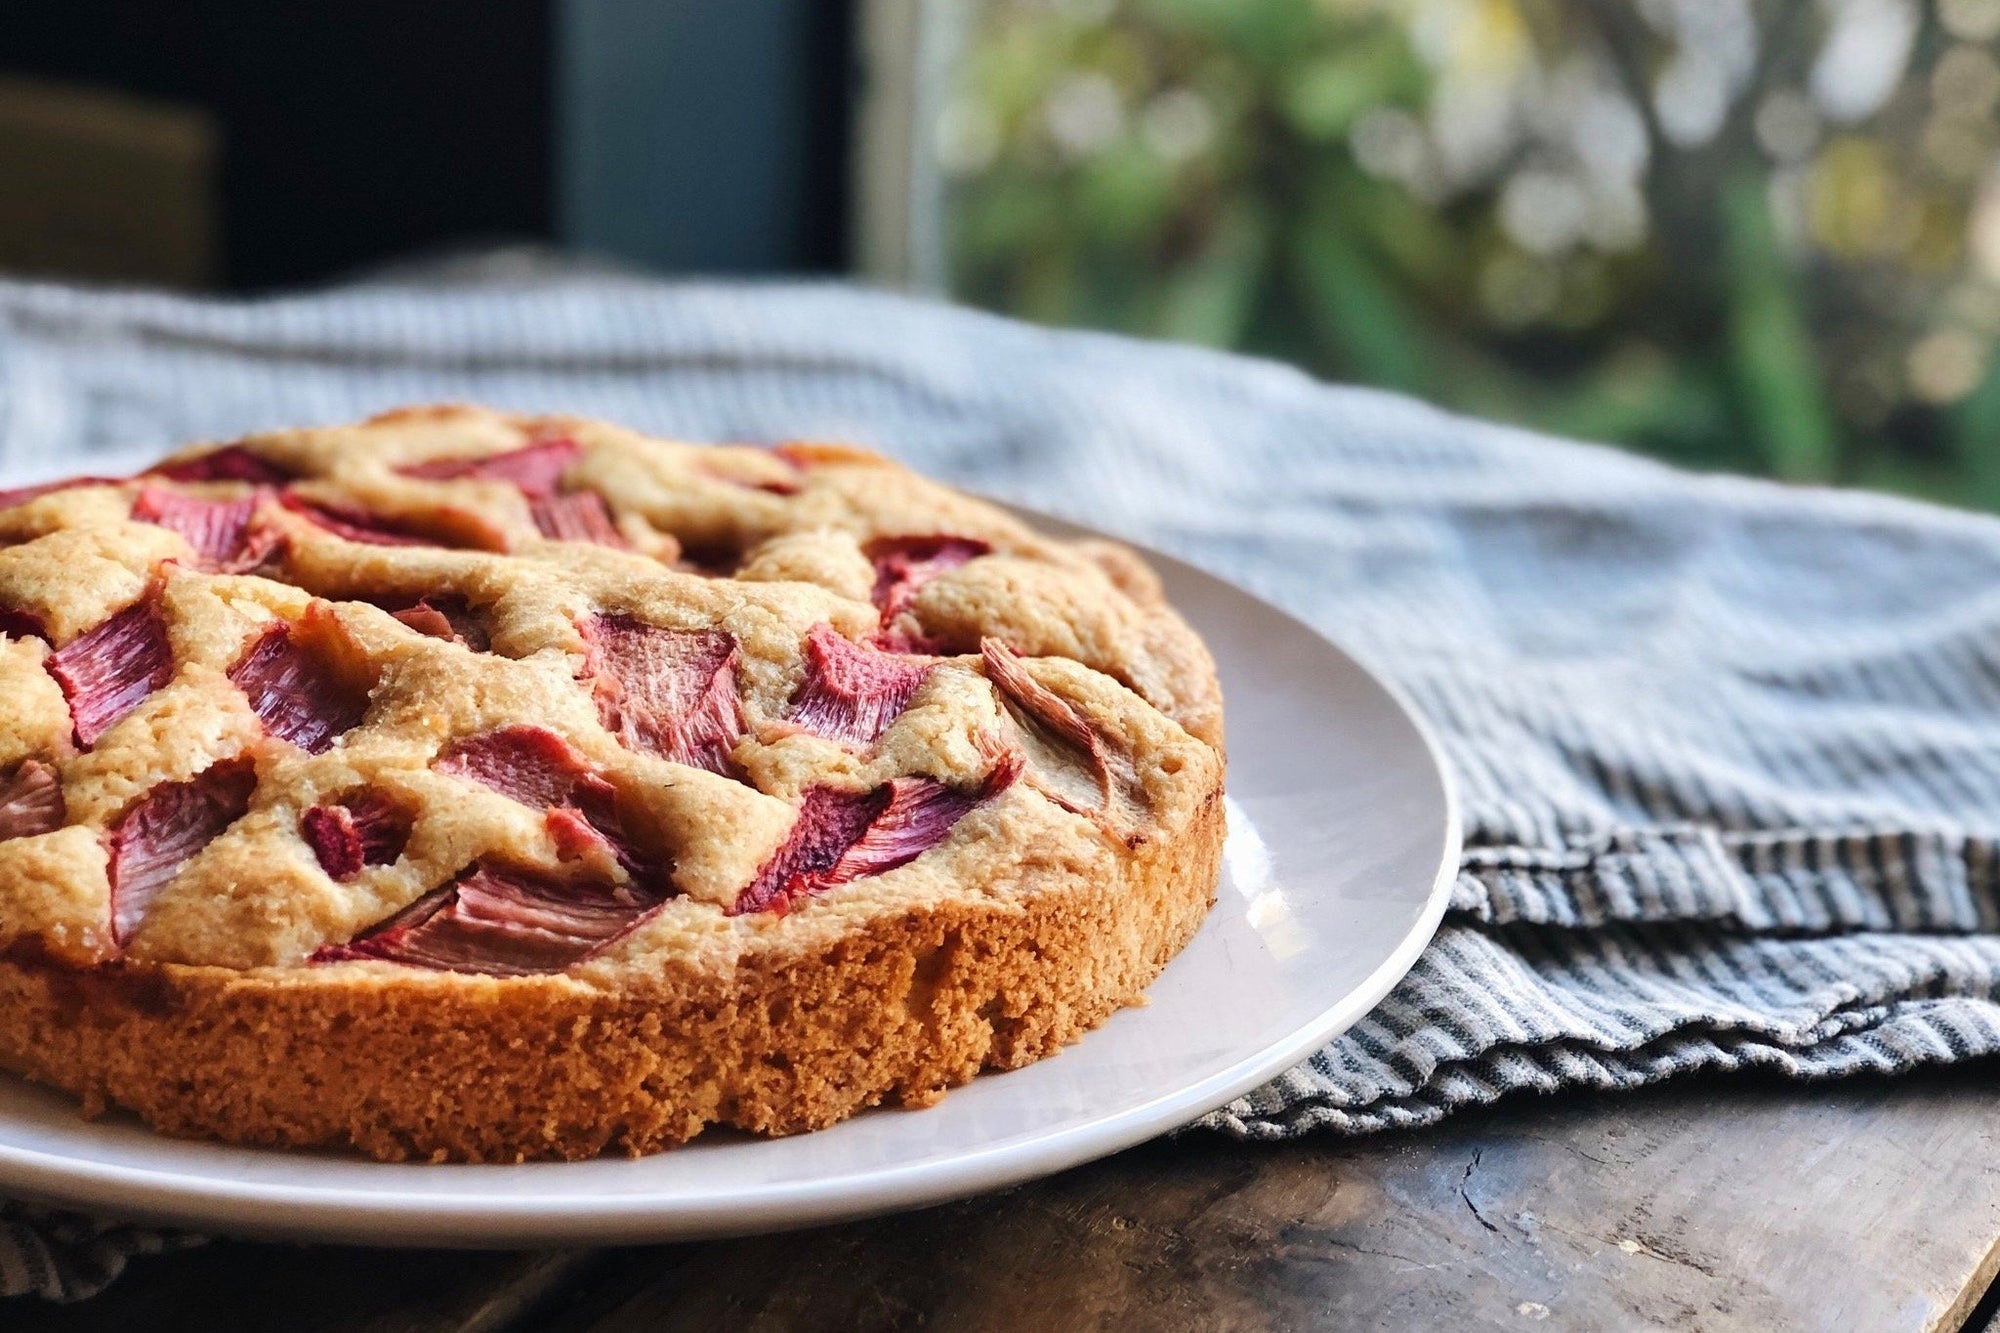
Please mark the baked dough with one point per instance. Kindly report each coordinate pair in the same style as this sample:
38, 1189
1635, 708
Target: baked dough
465, 786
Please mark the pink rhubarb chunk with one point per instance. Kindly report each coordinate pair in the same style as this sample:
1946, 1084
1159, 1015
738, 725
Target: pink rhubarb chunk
363, 830
162, 829
535, 470
31, 801
769, 485
446, 617
1055, 723
504, 922
529, 764
110, 670
903, 565
222, 532
669, 692
841, 836
232, 463
21, 495
580, 516
539, 768
851, 693
299, 697
354, 524
22, 625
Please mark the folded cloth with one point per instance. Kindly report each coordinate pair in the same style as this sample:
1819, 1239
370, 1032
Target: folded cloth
1728, 752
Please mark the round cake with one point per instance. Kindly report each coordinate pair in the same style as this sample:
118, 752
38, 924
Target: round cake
464, 786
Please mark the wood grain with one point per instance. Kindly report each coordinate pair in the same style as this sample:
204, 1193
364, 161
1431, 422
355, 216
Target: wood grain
1713, 1205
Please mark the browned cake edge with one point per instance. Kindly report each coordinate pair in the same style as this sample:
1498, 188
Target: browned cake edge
450, 1067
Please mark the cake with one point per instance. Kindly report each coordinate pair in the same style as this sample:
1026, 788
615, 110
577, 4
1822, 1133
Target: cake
461, 786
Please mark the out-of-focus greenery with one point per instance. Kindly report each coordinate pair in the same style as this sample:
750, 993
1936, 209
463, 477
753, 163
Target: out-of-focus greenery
1763, 236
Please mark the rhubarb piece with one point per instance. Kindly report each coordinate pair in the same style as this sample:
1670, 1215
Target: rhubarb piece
595, 801
829, 822
108, 671
447, 617
903, 565
504, 923
222, 532
592, 821
31, 800
535, 470
668, 692
580, 516
23, 625
769, 485
162, 829
529, 764
711, 560
298, 694
364, 830
537, 767
232, 463
574, 835
22, 494
851, 692
919, 815
455, 528
842, 836
353, 524
1069, 761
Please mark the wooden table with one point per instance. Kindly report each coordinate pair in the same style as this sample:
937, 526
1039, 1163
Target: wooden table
1712, 1204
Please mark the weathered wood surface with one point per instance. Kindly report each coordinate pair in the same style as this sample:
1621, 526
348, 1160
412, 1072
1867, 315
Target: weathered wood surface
1713, 1205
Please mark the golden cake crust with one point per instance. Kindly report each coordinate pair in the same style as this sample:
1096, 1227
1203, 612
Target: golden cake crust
1034, 820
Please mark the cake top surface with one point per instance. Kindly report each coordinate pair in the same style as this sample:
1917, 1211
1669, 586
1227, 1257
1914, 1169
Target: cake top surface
484, 694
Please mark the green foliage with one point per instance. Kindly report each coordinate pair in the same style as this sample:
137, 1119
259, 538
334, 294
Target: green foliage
1490, 213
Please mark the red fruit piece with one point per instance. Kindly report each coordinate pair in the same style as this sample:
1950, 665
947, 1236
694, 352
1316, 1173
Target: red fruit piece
354, 524
769, 485
711, 560
535, 470
231, 463
363, 830
22, 625
31, 800
299, 696
506, 923
108, 671
446, 617
529, 764
1061, 735
903, 565
580, 516
162, 829
537, 767
21, 495
221, 532
592, 821
844, 836
851, 693
829, 822
669, 692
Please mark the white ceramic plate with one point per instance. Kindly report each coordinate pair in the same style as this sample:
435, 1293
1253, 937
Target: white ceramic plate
1342, 840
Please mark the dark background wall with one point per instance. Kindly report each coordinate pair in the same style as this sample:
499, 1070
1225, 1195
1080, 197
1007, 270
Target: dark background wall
700, 135
311, 141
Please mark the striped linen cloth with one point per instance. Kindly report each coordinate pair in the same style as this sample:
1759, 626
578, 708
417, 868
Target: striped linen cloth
1729, 753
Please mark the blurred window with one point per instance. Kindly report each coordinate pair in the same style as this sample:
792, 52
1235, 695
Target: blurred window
1755, 235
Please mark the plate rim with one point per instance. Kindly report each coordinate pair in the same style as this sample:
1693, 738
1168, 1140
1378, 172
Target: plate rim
381, 1216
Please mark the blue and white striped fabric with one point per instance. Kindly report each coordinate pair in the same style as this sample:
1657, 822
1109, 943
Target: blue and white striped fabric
1729, 753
